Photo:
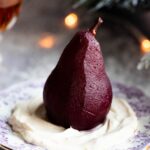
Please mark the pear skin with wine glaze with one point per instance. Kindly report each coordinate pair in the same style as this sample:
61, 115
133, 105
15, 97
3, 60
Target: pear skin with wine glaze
78, 92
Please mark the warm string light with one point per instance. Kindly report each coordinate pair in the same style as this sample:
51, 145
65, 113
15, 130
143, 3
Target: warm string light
47, 41
145, 60
145, 45
71, 20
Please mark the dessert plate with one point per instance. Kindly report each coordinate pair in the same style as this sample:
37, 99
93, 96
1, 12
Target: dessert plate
28, 90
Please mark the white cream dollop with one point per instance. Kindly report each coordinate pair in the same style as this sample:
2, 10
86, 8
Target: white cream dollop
28, 119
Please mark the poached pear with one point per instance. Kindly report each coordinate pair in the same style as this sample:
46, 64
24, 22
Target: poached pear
78, 92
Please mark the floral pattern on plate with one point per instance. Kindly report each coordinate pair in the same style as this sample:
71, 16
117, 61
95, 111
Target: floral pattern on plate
28, 90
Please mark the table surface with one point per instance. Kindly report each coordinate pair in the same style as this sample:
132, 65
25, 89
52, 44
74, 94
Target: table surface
21, 58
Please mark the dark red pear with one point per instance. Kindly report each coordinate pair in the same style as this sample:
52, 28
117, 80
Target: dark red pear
78, 92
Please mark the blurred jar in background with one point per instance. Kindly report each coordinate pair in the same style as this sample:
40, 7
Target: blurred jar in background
9, 11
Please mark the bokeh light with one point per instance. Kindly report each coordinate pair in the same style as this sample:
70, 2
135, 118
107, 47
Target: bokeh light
47, 41
71, 20
145, 46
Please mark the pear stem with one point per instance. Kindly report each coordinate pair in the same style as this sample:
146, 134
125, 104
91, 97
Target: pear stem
94, 28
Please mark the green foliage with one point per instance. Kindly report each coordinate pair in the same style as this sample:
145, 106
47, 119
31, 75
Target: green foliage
132, 5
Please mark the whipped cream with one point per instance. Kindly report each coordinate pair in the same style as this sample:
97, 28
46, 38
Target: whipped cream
28, 119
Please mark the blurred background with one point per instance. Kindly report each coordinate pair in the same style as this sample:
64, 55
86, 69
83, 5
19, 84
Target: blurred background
31, 49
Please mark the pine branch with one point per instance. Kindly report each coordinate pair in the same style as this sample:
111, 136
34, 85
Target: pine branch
145, 62
132, 5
